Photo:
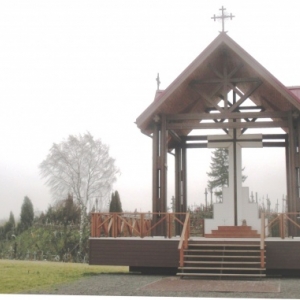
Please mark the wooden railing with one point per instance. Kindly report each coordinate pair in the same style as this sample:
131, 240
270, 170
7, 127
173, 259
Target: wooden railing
183, 244
134, 224
262, 240
283, 219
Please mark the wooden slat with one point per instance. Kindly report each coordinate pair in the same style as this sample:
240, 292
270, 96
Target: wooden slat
221, 256
220, 274
227, 115
222, 251
222, 262
223, 245
190, 126
216, 268
245, 96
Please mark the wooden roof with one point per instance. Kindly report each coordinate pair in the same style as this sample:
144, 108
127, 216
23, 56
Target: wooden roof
205, 71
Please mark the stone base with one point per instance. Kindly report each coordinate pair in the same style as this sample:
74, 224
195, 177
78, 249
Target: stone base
233, 232
223, 213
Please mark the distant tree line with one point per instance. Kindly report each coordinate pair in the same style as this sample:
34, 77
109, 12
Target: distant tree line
10, 228
53, 233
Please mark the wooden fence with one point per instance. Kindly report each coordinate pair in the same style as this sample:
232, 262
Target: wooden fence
134, 224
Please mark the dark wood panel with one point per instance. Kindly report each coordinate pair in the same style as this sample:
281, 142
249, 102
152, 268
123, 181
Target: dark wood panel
280, 255
283, 255
190, 126
147, 253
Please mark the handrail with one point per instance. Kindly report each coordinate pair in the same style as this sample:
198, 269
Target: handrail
183, 243
262, 241
281, 218
133, 224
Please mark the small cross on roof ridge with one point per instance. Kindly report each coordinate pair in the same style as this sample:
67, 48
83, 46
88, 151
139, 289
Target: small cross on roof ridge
223, 17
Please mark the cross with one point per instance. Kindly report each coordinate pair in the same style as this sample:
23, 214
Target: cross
158, 81
223, 17
235, 141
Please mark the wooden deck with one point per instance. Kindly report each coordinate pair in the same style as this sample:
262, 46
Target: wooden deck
282, 256
162, 254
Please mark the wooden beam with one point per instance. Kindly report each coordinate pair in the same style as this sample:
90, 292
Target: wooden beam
230, 80
265, 145
195, 145
216, 72
209, 98
274, 144
195, 138
274, 136
236, 69
190, 126
246, 95
264, 137
175, 136
248, 107
227, 115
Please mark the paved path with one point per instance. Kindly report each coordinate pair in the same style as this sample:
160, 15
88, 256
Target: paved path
166, 286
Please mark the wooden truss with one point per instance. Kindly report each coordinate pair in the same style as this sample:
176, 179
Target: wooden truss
170, 136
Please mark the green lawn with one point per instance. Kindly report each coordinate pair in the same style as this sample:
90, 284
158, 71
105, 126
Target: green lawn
18, 276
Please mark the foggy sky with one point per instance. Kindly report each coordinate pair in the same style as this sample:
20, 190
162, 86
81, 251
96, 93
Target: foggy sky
67, 67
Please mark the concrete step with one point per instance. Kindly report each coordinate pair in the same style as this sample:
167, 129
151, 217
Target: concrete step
223, 262
223, 256
228, 258
220, 274
220, 251
235, 228
233, 232
218, 245
223, 268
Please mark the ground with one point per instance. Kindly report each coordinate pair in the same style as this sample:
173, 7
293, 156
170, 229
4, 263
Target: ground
166, 286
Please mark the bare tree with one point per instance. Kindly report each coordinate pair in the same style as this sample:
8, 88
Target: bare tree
80, 166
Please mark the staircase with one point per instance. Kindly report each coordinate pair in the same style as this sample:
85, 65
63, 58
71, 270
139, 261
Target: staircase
222, 259
233, 232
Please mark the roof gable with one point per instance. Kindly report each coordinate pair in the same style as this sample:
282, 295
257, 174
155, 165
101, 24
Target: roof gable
198, 86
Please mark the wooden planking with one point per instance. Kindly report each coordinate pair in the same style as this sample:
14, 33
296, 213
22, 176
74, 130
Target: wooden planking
228, 115
134, 252
280, 255
190, 126
283, 255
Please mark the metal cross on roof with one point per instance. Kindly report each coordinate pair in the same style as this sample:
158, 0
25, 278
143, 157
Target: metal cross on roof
158, 81
223, 17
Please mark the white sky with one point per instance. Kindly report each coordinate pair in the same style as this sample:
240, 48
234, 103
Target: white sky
67, 67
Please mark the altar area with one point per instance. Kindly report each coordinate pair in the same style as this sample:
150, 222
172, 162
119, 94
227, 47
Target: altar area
225, 90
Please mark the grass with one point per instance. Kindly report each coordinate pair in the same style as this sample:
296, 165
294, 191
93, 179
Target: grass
18, 276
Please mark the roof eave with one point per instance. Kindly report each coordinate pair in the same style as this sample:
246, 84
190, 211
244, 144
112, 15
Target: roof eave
143, 120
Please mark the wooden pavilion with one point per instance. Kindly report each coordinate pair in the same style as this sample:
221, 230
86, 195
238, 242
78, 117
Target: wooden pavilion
224, 89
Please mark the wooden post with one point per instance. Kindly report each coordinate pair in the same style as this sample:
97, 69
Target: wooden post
119, 225
155, 174
163, 171
262, 241
184, 180
292, 185
115, 225
178, 192
142, 225
280, 226
160, 149
169, 226
189, 228
92, 225
283, 225
181, 261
